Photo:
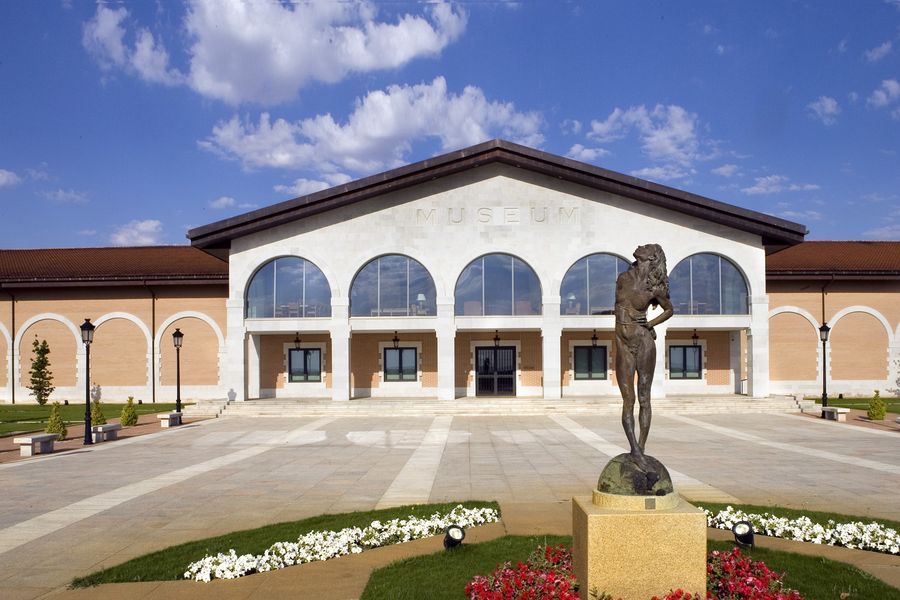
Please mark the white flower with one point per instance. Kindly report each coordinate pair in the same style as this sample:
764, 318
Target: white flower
322, 545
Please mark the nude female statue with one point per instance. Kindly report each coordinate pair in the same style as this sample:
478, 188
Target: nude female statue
644, 284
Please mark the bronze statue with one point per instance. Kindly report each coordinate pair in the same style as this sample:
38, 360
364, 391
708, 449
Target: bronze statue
643, 285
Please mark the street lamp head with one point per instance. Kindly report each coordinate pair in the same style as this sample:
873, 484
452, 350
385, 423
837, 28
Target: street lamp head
496, 339
695, 338
87, 332
823, 332
297, 340
396, 340
594, 339
177, 337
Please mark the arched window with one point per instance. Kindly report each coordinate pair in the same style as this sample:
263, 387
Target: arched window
286, 288
708, 284
498, 284
589, 287
392, 286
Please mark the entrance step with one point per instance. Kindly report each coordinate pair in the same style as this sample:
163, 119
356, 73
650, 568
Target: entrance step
395, 407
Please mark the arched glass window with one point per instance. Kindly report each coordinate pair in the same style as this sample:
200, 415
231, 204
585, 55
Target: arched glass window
392, 286
286, 288
589, 287
708, 284
498, 284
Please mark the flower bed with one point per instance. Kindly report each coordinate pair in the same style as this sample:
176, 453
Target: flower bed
322, 545
863, 536
547, 575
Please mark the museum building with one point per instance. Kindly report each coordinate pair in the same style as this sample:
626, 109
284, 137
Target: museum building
489, 271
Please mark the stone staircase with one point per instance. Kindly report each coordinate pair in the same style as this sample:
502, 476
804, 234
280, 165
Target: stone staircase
205, 409
395, 407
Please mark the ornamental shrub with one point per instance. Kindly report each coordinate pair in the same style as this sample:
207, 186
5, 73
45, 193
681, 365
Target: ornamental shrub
55, 423
41, 376
877, 407
129, 414
97, 417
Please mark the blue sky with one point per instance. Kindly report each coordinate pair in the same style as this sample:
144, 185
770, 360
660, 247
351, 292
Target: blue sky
125, 123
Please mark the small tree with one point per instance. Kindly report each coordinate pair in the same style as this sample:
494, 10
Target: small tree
97, 417
41, 376
55, 423
129, 413
877, 407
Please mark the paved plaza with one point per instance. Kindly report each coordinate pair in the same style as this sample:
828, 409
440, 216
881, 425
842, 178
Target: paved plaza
72, 513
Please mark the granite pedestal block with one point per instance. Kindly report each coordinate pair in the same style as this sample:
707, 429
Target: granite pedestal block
633, 547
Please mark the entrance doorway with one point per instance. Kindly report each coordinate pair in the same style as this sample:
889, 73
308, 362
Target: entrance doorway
495, 371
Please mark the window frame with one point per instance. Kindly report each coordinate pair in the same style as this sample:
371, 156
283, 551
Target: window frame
306, 376
685, 374
591, 375
401, 378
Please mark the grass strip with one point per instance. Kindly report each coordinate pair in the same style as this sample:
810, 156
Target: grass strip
444, 575
893, 404
26, 418
793, 513
170, 563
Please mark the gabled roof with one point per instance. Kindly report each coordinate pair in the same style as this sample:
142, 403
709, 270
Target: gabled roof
776, 233
109, 266
836, 259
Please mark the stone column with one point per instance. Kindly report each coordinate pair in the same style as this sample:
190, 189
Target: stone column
734, 360
446, 349
254, 347
659, 372
758, 348
551, 334
340, 349
233, 365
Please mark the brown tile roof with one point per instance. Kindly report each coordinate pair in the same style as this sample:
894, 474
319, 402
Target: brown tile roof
74, 266
842, 259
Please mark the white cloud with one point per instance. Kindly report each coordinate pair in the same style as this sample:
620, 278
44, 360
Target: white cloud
886, 232
222, 202
65, 196
303, 186
896, 113
377, 134
802, 215
8, 178
138, 233
842, 46
770, 184
104, 38
728, 170
709, 29
571, 126
579, 152
853, 97
663, 173
773, 184
888, 93
878, 52
265, 52
825, 109
720, 49
668, 133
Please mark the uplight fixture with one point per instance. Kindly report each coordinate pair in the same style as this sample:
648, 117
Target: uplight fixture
453, 536
743, 533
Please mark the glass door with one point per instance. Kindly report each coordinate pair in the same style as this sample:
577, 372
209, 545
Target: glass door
495, 373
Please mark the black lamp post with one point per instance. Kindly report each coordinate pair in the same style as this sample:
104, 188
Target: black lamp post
823, 335
177, 339
87, 336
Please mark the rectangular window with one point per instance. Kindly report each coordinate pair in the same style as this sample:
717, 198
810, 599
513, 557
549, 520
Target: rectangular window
590, 362
304, 364
685, 362
400, 364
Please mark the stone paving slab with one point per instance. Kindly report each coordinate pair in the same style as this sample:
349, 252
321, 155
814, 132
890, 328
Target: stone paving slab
295, 468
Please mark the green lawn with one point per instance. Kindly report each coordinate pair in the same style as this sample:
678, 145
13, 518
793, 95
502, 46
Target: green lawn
171, 563
893, 403
444, 575
24, 418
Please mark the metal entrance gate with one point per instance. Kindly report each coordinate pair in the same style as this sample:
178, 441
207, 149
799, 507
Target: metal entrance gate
495, 371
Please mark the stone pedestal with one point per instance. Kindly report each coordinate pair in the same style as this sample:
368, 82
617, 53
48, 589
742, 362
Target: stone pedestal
633, 547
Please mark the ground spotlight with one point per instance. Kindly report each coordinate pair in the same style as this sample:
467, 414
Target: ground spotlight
743, 533
454, 535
